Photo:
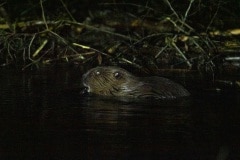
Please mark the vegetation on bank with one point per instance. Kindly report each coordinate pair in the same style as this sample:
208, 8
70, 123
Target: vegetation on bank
181, 36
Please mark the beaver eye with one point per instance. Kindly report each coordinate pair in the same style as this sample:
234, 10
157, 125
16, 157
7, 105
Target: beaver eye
98, 73
117, 75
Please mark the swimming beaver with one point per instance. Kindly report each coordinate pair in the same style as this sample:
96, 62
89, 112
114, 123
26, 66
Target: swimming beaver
115, 81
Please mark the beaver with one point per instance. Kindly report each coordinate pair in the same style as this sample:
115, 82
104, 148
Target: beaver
115, 81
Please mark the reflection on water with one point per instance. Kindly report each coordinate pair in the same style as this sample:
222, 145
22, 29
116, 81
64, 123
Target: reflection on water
44, 117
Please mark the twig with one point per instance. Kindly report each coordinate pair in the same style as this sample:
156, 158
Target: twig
187, 11
175, 25
29, 47
35, 61
65, 42
151, 36
65, 7
130, 4
172, 43
4, 14
130, 62
163, 48
40, 48
9, 52
172, 9
43, 15
181, 20
87, 47
215, 14
101, 30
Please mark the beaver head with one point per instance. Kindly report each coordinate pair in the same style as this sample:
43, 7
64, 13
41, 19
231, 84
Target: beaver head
109, 81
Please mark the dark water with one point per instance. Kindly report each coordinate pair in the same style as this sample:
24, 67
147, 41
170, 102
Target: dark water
42, 116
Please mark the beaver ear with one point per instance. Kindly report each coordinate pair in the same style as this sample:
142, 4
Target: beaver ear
117, 75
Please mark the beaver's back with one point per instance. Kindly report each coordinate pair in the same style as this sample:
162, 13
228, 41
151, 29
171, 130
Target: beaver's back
164, 88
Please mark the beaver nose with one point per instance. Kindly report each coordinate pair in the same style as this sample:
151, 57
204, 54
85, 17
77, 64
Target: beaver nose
84, 91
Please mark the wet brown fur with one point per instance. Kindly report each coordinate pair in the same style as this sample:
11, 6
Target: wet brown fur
115, 81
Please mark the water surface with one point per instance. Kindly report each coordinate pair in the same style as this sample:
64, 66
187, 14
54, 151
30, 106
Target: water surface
43, 116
